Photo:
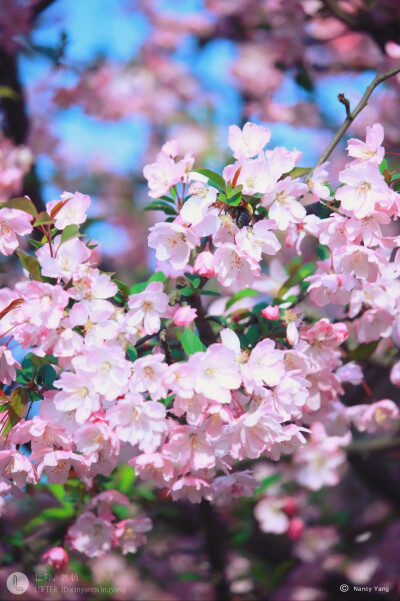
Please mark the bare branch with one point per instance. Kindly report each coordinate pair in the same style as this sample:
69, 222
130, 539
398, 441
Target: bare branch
379, 78
342, 15
346, 102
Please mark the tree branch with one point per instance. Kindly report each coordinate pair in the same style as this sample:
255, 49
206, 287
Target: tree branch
352, 115
340, 14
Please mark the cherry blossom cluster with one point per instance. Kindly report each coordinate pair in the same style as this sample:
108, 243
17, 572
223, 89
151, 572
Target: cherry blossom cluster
140, 375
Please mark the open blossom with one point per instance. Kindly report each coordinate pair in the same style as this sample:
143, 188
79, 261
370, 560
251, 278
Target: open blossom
8, 366
188, 448
258, 239
318, 182
76, 393
13, 223
255, 177
271, 516
71, 210
130, 533
319, 461
139, 422
371, 149
235, 268
193, 489
148, 376
381, 415
65, 260
249, 141
173, 242
216, 373
109, 371
282, 204
92, 535
155, 467
164, 174
98, 441
56, 464
148, 307
364, 187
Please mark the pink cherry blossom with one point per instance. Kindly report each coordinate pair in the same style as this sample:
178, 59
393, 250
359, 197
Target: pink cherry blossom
72, 211
371, 150
185, 315
56, 557
148, 307
8, 366
13, 223
191, 488
64, 259
173, 242
139, 422
249, 141
234, 268
270, 312
130, 533
364, 188
282, 204
92, 535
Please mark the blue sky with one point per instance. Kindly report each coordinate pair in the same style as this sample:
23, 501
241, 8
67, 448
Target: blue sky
116, 29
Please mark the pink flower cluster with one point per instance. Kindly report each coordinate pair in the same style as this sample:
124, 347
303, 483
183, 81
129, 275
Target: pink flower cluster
185, 420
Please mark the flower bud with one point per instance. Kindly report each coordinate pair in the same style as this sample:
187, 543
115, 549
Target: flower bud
203, 264
295, 529
56, 557
184, 315
271, 312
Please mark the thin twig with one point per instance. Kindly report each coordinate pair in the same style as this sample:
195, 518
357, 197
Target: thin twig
352, 115
342, 15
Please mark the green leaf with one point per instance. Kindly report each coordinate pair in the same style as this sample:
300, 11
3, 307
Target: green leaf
7, 92
156, 277
31, 264
297, 172
363, 351
160, 205
252, 336
186, 291
17, 405
300, 274
214, 179
209, 293
383, 166
395, 176
131, 352
123, 291
71, 231
22, 204
191, 343
190, 577
47, 375
235, 200
194, 279
267, 482
167, 400
242, 294
40, 361
43, 219
323, 252
126, 479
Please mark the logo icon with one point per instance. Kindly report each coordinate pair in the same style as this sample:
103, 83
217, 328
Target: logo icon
344, 588
17, 583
